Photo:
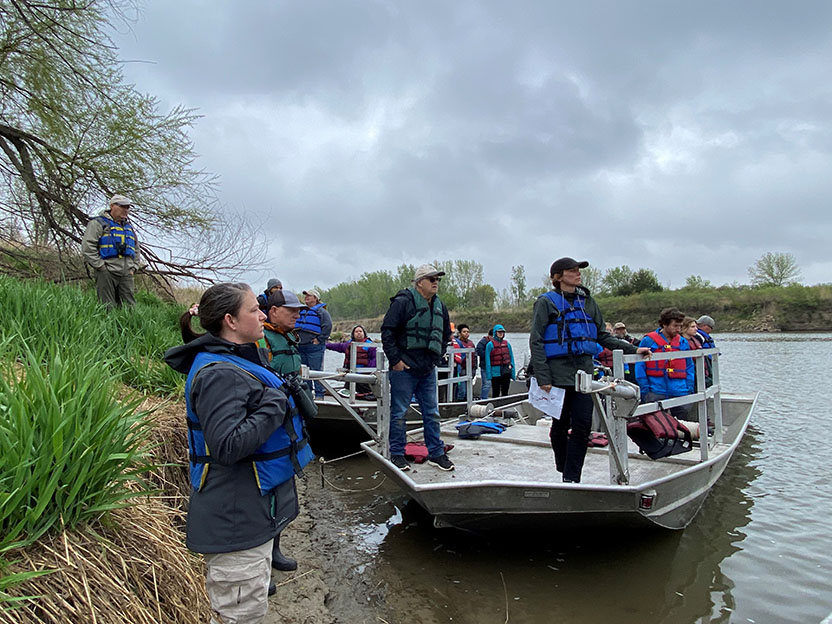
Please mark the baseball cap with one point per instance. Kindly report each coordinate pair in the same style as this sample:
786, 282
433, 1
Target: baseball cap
564, 264
284, 299
619, 325
120, 200
314, 292
426, 270
706, 320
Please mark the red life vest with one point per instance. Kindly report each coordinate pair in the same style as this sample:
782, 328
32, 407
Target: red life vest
499, 353
675, 369
362, 357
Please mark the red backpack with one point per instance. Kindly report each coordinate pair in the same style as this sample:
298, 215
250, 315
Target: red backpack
657, 434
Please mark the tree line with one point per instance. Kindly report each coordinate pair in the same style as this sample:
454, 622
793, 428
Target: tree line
464, 290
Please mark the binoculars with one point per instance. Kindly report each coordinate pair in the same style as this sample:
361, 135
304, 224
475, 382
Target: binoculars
299, 391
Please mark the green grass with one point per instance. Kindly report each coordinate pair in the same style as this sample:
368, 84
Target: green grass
54, 318
71, 445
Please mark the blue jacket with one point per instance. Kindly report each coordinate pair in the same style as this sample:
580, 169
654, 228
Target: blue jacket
665, 386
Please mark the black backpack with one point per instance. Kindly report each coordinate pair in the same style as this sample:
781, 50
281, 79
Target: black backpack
657, 434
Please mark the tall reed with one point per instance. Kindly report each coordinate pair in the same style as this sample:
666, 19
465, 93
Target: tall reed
68, 447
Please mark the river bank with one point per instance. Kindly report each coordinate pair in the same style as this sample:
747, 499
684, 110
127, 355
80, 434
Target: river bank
790, 309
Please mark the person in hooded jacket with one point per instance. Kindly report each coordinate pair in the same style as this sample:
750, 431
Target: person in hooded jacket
272, 286
485, 382
499, 362
246, 443
567, 328
365, 357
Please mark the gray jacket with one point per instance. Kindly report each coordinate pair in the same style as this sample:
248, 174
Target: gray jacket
122, 266
237, 414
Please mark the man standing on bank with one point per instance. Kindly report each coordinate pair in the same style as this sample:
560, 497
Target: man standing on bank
566, 326
111, 248
414, 333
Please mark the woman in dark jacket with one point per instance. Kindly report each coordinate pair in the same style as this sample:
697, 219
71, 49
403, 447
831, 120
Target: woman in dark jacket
239, 419
567, 328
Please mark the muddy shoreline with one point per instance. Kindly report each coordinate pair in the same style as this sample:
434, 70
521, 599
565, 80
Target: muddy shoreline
337, 582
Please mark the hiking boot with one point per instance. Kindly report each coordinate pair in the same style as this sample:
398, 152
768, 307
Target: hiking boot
442, 462
400, 462
272, 589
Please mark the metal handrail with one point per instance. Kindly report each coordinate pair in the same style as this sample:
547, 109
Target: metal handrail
616, 423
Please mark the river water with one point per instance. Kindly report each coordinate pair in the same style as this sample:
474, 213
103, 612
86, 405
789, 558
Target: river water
759, 551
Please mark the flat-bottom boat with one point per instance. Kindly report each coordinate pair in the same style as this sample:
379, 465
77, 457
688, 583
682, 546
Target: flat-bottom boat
509, 479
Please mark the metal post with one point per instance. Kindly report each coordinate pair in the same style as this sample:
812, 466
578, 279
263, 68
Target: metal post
717, 399
702, 406
383, 412
619, 468
353, 360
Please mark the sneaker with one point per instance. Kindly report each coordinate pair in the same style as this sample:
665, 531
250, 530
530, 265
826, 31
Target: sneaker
400, 462
442, 462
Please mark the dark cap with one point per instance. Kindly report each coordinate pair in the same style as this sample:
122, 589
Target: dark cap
564, 264
284, 299
273, 283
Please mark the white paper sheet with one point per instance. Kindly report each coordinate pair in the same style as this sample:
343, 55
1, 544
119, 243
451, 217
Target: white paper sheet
550, 403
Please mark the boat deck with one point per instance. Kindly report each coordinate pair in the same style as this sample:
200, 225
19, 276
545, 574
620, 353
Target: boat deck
523, 454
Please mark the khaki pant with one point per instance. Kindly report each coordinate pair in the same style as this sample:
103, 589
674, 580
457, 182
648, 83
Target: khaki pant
114, 290
238, 584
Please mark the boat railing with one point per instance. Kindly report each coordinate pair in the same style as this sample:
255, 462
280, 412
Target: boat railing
377, 379
381, 362
452, 378
621, 403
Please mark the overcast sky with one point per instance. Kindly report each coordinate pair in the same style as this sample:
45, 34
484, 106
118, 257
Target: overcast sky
684, 137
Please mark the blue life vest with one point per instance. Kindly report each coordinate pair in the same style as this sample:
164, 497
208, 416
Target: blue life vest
117, 240
283, 455
310, 320
707, 341
573, 332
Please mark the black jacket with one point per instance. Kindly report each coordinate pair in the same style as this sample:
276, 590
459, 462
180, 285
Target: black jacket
237, 414
393, 339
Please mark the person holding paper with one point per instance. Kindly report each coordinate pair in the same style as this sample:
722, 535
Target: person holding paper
567, 326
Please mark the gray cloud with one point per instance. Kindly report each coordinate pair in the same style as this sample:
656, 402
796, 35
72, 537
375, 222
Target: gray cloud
683, 137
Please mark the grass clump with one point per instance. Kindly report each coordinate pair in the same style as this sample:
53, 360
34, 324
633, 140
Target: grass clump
67, 445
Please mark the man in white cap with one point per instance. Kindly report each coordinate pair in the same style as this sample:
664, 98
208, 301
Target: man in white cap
314, 326
111, 248
414, 334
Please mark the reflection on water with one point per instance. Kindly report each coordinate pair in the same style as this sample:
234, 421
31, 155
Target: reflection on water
759, 546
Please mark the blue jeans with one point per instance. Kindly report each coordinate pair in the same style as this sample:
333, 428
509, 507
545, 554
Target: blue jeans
403, 386
313, 356
485, 387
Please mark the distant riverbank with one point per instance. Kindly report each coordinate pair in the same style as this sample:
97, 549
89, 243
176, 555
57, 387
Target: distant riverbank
742, 309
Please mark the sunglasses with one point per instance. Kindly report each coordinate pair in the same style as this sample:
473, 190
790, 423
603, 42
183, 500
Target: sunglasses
433, 279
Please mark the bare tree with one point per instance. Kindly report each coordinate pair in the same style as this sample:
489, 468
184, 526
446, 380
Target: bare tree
774, 269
